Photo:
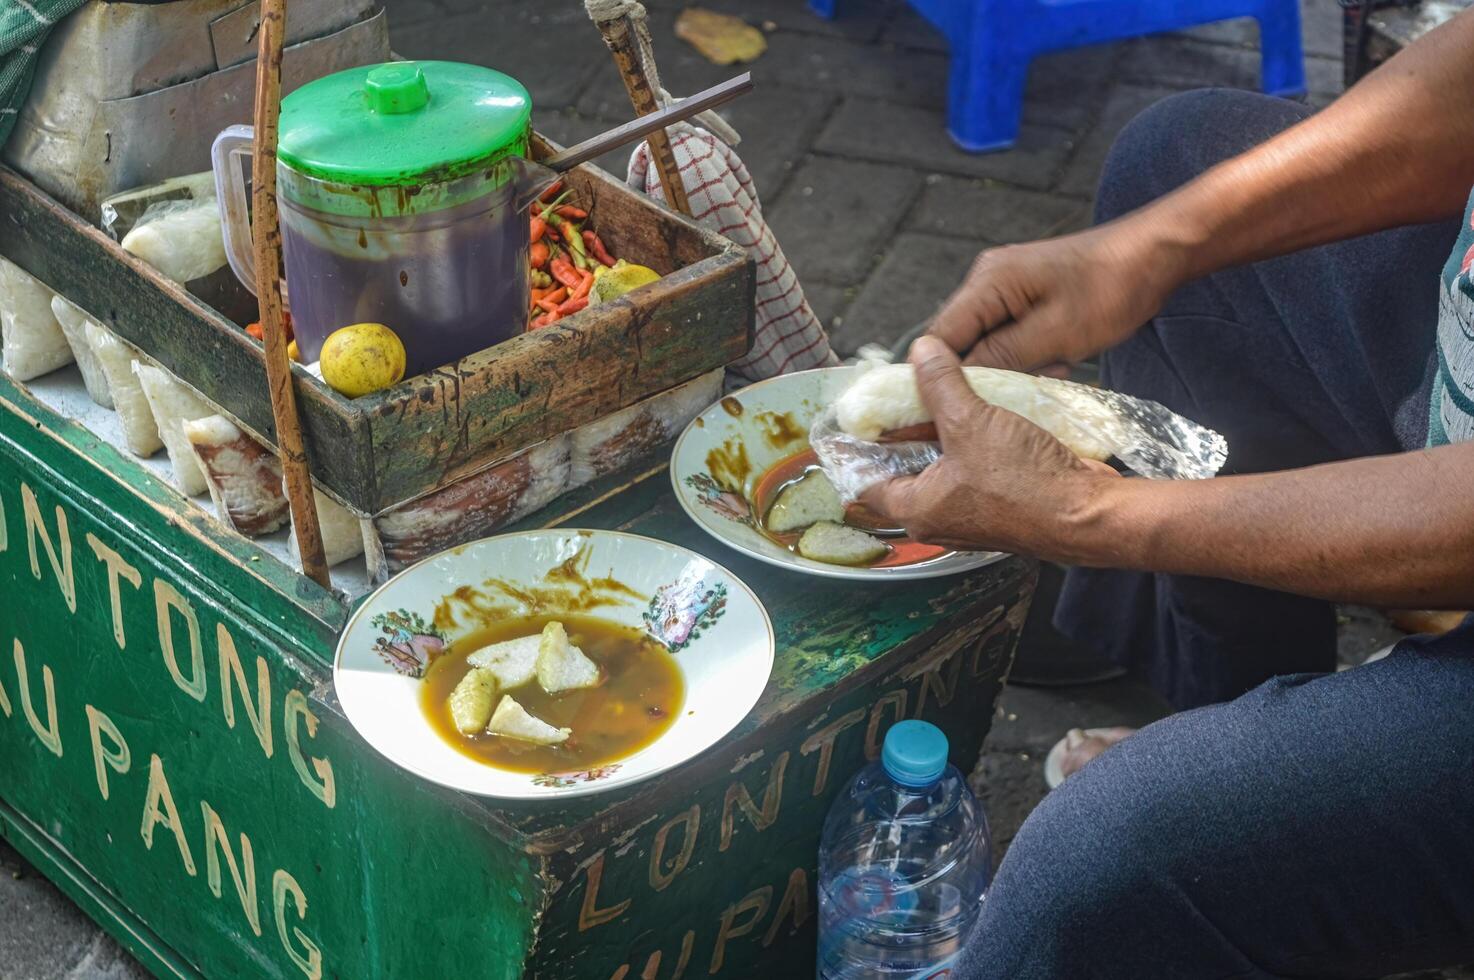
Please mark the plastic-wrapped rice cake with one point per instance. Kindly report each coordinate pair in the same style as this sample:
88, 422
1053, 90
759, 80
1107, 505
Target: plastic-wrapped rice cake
31, 341
244, 477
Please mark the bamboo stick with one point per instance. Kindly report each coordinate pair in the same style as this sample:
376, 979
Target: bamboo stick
266, 242
619, 36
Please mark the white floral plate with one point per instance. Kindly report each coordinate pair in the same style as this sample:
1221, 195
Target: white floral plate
714, 626
726, 449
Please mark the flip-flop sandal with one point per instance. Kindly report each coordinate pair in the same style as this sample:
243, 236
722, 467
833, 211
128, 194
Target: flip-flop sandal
1054, 762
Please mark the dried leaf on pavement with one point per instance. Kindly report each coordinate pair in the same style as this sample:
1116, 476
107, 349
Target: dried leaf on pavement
721, 38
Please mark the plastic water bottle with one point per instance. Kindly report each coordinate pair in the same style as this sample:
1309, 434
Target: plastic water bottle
904, 864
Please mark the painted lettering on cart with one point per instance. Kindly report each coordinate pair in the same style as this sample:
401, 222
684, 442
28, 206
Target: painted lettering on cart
751, 803
41, 693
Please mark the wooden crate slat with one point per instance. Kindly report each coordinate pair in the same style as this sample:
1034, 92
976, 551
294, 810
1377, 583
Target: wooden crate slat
379, 451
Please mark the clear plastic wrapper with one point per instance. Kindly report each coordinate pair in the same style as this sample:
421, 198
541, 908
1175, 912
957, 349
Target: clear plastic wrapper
116, 358
850, 436
244, 477
74, 326
31, 341
122, 211
180, 238
175, 403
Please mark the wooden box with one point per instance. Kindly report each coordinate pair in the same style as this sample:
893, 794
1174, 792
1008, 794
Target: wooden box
428, 431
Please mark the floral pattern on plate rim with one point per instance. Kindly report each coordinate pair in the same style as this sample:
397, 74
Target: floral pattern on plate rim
729, 504
562, 780
409, 643
680, 612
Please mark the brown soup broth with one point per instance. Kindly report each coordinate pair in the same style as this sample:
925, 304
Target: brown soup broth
903, 550
642, 694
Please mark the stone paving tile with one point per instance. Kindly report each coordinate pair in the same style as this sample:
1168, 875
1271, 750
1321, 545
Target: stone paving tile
1180, 62
106, 960
1123, 104
1032, 719
909, 29
1010, 785
683, 71
553, 49
57, 934
856, 20
1323, 76
835, 215
829, 302
568, 126
1320, 30
916, 275
1241, 32
405, 12
862, 72
777, 124
992, 211
1066, 88
1320, 22
1362, 632
917, 137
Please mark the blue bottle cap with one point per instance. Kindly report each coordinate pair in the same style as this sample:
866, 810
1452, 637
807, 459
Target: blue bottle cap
914, 753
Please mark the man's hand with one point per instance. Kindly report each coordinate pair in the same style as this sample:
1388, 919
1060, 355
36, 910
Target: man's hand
1002, 484
1051, 303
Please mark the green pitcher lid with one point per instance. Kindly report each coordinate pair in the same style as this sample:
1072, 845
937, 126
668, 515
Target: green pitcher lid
402, 122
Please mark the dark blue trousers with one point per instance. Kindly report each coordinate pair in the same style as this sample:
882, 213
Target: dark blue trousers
1321, 824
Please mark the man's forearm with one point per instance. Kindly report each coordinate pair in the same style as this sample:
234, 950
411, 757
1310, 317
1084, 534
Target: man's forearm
1397, 149
1385, 530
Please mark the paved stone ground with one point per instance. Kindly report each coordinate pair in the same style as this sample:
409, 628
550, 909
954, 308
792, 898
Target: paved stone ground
879, 214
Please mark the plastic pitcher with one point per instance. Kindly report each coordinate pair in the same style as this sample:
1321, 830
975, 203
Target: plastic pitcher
904, 864
400, 189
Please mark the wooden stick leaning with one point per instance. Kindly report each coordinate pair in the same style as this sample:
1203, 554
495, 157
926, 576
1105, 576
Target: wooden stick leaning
266, 242
619, 36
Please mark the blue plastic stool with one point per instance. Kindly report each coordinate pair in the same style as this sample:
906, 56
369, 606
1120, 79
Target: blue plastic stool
993, 42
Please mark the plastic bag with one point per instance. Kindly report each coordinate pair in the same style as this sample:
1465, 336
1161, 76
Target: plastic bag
181, 238
1148, 438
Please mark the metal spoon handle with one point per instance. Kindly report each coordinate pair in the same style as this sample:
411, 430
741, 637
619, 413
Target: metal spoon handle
645, 125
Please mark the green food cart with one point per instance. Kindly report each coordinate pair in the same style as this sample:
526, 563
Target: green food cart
171, 752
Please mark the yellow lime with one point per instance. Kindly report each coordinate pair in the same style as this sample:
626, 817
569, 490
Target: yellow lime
619, 279
362, 358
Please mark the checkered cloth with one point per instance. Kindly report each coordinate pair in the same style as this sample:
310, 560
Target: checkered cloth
788, 336
24, 25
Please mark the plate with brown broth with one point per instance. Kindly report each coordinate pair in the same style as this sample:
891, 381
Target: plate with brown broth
553, 663
743, 470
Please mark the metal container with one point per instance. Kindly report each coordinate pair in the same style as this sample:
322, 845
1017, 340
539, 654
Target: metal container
128, 94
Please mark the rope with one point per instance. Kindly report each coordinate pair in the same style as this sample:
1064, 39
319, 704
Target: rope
603, 11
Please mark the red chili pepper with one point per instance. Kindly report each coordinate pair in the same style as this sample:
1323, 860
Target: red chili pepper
538, 254
564, 272
550, 301
584, 285
570, 211
596, 247
573, 305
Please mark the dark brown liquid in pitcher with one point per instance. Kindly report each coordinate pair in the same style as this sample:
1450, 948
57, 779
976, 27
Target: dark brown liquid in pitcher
448, 283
